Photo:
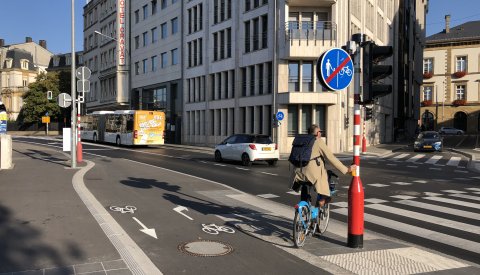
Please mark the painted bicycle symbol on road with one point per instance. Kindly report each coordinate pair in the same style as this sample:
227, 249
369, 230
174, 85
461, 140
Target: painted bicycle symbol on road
123, 210
215, 229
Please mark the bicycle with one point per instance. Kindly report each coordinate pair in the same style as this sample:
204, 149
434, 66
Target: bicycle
345, 70
310, 219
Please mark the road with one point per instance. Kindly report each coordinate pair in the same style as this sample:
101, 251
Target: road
430, 199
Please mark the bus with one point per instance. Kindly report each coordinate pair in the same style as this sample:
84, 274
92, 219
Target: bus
125, 127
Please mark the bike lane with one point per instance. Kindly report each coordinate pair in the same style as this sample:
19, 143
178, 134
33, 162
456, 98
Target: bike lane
176, 206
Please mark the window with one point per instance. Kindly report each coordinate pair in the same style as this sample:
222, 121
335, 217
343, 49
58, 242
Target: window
255, 34
428, 65
244, 81
145, 37
145, 12
247, 5
306, 118
9, 62
461, 64
144, 64
137, 42
164, 30
215, 11
24, 64
256, 3
293, 73
247, 36
264, 31
154, 7
427, 93
292, 120
25, 83
164, 60
154, 63
460, 92
215, 46
200, 56
137, 16
174, 25
320, 118
222, 10
154, 35
307, 76
222, 45
164, 4
174, 56
252, 80
229, 42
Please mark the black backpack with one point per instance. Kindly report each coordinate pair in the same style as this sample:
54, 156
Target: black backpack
301, 150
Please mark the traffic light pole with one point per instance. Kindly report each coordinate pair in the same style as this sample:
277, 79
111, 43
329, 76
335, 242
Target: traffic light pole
355, 191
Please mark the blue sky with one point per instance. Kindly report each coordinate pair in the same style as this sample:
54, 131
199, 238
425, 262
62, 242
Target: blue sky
51, 20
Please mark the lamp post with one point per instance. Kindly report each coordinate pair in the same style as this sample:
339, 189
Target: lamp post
73, 148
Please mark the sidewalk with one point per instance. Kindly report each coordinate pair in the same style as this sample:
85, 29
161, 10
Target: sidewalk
45, 227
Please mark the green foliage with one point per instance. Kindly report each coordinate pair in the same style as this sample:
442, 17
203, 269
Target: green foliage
35, 99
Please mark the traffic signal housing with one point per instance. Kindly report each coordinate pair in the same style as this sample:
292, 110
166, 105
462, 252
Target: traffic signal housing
368, 113
373, 72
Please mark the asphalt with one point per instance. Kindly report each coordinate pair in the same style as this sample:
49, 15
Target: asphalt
49, 224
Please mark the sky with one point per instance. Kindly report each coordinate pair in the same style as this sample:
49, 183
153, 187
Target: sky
51, 20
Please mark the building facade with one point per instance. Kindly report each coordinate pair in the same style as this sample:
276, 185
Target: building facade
19, 66
451, 88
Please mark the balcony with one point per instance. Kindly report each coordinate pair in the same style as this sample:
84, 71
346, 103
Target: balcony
310, 3
308, 39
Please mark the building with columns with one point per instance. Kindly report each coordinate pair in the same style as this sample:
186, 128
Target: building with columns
451, 86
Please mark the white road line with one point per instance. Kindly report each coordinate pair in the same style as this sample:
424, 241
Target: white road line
475, 178
387, 156
420, 181
378, 185
412, 166
433, 168
463, 196
218, 164
431, 194
455, 202
340, 204
460, 171
461, 179
401, 183
203, 161
454, 161
473, 189
271, 174
391, 164
293, 193
418, 231
240, 168
403, 197
441, 209
433, 159
426, 218
268, 196
415, 158
401, 156
454, 191
374, 200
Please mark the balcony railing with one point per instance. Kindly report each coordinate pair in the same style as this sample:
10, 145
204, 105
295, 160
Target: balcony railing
311, 30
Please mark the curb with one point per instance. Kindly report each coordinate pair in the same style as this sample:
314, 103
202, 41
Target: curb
472, 164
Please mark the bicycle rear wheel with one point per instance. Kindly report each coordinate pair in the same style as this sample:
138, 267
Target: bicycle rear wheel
323, 218
300, 226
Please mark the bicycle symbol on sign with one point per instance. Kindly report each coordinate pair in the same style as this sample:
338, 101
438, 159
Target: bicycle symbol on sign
345, 70
215, 229
123, 210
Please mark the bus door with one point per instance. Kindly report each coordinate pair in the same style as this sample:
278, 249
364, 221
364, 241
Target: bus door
101, 128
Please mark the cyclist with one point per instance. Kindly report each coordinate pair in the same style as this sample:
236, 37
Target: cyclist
315, 171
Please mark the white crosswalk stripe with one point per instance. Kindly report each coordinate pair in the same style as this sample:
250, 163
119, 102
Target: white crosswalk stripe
441, 209
454, 161
401, 156
415, 158
433, 159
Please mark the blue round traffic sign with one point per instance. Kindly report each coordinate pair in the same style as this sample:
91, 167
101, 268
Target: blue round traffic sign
280, 116
335, 69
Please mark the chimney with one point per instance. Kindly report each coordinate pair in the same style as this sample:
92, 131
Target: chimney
2, 42
28, 39
447, 23
43, 43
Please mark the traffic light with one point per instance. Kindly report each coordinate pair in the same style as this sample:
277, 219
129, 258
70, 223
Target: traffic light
368, 113
373, 72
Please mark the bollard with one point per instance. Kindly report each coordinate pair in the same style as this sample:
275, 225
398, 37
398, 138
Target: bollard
6, 152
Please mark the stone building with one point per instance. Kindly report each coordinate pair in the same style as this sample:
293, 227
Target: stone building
451, 87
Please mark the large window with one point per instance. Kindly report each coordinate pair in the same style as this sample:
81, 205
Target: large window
428, 65
292, 120
427, 93
306, 118
307, 76
320, 118
460, 92
293, 76
461, 64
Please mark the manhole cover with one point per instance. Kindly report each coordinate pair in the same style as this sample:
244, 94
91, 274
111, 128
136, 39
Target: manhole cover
205, 248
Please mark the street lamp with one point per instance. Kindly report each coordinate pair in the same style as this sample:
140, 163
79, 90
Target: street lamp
107, 36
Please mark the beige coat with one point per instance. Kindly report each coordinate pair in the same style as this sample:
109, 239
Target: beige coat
315, 174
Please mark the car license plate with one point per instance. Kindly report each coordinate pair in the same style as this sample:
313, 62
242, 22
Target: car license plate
266, 149
427, 146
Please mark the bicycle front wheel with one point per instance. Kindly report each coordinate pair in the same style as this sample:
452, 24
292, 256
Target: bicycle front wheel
323, 218
300, 226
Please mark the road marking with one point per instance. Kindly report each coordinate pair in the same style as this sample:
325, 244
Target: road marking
391, 164
218, 164
179, 210
460, 171
475, 178
293, 193
240, 168
461, 179
269, 174
401, 183
203, 161
397, 158
415, 158
374, 200
387, 155
412, 166
441, 209
146, 230
268, 196
463, 196
340, 204
420, 181
378, 185
454, 161
454, 191
433, 159
455, 202
432, 194
433, 168
403, 197
473, 189
426, 218
418, 231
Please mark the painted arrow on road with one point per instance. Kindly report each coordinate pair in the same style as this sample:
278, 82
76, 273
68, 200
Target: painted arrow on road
148, 231
179, 209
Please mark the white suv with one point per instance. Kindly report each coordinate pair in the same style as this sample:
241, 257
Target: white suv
450, 130
247, 148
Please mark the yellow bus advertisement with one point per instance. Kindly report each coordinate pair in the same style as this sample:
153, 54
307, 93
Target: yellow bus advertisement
149, 128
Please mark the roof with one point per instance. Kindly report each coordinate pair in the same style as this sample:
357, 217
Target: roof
17, 55
465, 31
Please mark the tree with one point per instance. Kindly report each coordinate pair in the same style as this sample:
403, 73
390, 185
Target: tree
35, 99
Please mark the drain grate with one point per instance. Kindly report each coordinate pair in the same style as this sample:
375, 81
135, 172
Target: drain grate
205, 248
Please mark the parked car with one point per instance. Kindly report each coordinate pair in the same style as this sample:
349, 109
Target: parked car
428, 141
451, 131
247, 148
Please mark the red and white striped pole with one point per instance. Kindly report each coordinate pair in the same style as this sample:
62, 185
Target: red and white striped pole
79, 143
364, 140
355, 192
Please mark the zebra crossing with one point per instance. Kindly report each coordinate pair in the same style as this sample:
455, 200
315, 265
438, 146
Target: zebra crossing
413, 159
